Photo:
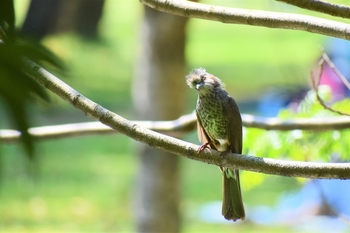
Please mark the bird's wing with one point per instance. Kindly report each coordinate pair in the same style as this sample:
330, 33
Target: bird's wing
202, 135
234, 125
232, 205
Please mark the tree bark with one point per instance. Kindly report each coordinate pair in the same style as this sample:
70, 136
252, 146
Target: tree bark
158, 94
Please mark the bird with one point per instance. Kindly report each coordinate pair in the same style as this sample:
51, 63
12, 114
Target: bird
219, 126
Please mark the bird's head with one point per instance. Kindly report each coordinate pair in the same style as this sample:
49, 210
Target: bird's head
202, 81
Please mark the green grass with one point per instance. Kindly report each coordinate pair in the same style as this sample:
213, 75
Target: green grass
86, 183
78, 187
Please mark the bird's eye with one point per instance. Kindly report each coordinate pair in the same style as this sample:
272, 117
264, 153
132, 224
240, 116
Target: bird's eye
197, 81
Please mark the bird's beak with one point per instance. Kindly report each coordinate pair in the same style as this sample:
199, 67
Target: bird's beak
199, 86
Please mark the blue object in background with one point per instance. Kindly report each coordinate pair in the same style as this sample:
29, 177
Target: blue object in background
304, 211
308, 209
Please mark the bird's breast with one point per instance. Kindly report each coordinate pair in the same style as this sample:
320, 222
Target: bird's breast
211, 114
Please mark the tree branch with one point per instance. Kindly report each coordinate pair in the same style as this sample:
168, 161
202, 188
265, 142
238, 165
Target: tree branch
175, 128
321, 6
315, 124
178, 127
252, 17
179, 147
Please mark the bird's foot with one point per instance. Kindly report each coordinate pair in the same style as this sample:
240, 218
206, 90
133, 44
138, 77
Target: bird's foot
203, 147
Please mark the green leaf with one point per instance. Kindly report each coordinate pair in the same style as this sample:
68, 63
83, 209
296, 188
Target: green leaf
343, 106
16, 86
303, 145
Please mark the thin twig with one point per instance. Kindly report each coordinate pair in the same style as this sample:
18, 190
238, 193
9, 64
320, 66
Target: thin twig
315, 84
335, 69
321, 6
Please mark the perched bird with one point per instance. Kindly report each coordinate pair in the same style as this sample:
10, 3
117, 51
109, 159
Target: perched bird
219, 127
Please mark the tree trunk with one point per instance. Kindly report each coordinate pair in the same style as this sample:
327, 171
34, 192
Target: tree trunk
41, 18
46, 17
159, 94
88, 16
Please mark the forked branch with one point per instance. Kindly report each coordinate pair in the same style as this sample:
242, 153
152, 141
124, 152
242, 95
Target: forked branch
316, 78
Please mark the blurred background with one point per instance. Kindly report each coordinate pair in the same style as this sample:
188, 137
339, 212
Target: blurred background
111, 47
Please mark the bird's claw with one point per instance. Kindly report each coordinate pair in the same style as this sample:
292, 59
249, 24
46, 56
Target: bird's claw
203, 147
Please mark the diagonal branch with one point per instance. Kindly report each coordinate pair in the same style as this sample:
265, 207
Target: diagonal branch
321, 6
252, 17
335, 69
179, 147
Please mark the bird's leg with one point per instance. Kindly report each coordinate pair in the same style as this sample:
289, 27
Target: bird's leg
203, 147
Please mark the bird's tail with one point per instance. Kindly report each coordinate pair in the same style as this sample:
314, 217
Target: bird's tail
232, 204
